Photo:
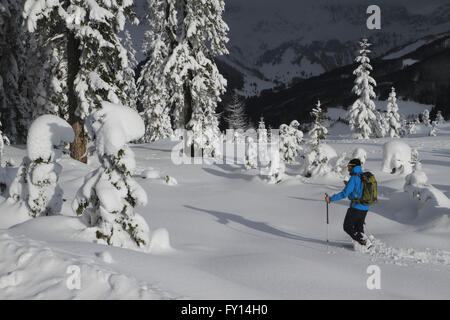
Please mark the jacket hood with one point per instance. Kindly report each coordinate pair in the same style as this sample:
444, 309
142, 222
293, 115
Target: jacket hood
357, 170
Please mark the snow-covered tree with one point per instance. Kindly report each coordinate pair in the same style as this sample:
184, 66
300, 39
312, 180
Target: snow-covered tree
276, 166
15, 111
291, 139
439, 118
235, 113
318, 131
317, 155
393, 116
96, 60
109, 195
3, 140
433, 130
251, 154
426, 118
130, 82
154, 83
362, 114
262, 131
263, 153
381, 125
194, 80
36, 183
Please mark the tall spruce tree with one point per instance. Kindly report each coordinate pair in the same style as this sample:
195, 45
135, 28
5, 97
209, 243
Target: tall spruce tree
96, 59
362, 114
154, 84
393, 116
235, 114
197, 83
14, 108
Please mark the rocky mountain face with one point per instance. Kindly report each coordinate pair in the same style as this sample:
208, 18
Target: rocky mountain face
275, 44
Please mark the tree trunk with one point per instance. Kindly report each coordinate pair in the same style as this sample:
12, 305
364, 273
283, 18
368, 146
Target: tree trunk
78, 146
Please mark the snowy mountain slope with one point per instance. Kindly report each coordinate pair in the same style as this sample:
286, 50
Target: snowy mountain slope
274, 43
426, 80
236, 237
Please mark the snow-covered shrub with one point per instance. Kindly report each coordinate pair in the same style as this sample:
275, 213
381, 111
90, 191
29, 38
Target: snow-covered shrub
291, 139
251, 154
276, 166
396, 158
439, 118
36, 182
412, 126
341, 165
381, 125
426, 118
171, 181
107, 199
3, 140
416, 184
263, 152
316, 160
361, 154
433, 129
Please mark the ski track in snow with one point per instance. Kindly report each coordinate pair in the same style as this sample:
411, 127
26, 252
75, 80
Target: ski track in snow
382, 252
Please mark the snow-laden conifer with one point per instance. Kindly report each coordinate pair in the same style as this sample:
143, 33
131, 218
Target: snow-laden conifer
317, 155
194, 79
393, 116
109, 195
36, 182
439, 118
362, 114
433, 129
156, 91
291, 140
426, 118
15, 113
235, 114
96, 60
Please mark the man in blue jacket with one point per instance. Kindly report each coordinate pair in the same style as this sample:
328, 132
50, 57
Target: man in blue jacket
356, 214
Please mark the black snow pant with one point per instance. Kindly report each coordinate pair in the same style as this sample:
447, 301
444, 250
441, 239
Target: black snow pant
354, 223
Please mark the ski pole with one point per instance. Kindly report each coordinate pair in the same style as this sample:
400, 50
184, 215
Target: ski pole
328, 221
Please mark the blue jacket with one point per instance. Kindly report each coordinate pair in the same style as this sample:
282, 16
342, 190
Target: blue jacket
353, 185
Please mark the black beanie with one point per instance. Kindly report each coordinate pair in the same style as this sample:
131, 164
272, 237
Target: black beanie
354, 162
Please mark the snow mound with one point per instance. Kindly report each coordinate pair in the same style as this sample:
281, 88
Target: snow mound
105, 256
396, 158
31, 270
417, 185
118, 126
46, 133
171, 181
160, 241
150, 173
